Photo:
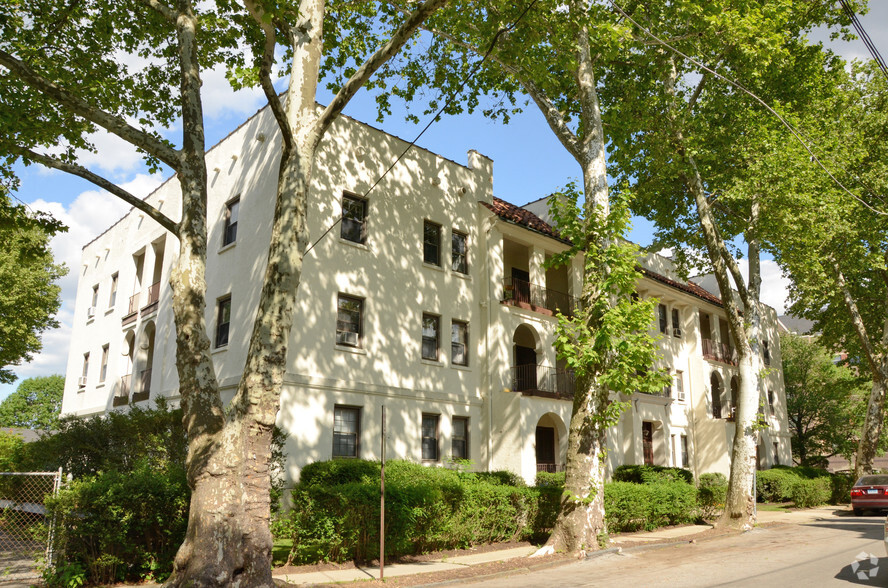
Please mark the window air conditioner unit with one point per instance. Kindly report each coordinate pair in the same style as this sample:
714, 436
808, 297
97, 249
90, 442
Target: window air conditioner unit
81, 381
676, 332
347, 338
681, 396
91, 312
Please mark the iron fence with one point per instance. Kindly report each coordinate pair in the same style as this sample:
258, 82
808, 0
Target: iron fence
26, 535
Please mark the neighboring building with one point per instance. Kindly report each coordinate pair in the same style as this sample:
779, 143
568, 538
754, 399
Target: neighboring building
430, 298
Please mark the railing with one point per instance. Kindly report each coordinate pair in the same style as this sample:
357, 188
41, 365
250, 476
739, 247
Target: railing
716, 351
543, 381
518, 292
153, 297
123, 390
132, 309
550, 467
144, 386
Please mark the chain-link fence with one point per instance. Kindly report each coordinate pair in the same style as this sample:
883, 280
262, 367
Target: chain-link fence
25, 531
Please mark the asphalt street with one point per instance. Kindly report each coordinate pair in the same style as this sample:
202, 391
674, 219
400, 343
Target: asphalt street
839, 550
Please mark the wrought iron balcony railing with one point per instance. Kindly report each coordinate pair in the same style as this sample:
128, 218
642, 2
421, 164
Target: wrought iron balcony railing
520, 293
716, 351
541, 380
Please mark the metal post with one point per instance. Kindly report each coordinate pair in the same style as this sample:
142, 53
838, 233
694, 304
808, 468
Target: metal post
382, 502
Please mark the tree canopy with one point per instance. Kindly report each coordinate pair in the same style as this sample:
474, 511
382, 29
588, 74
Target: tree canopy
29, 293
35, 404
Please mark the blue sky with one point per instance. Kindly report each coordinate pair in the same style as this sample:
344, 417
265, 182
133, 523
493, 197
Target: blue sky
529, 163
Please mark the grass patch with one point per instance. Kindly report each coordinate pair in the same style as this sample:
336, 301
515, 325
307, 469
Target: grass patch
773, 506
280, 551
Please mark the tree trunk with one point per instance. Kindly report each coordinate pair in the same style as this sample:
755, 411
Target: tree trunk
580, 521
872, 427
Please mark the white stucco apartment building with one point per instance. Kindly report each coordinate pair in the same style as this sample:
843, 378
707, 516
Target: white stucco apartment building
430, 299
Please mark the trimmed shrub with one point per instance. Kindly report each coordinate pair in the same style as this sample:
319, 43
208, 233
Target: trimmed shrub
122, 525
841, 488
808, 492
338, 471
778, 484
650, 474
711, 493
775, 485
550, 479
631, 507
625, 506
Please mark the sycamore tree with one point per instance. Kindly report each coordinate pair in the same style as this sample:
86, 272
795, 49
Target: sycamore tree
29, 293
133, 68
550, 52
825, 401
35, 404
687, 143
837, 256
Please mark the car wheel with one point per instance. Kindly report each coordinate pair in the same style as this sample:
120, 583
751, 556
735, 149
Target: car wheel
858, 512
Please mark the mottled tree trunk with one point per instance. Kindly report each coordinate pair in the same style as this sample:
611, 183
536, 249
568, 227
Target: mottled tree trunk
872, 425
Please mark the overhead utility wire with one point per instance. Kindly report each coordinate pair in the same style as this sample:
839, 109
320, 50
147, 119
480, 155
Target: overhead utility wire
864, 36
475, 68
740, 87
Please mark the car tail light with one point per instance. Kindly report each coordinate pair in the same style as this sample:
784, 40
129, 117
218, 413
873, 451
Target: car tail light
856, 492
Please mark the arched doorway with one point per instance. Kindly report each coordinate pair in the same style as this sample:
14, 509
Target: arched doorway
550, 431
715, 386
525, 359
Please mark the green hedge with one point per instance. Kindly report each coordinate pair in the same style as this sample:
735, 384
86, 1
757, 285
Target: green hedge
711, 493
426, 509
632, 507
804, 486
650, 474
811, 492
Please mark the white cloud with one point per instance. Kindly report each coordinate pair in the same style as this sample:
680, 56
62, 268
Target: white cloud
220, 100
86, 217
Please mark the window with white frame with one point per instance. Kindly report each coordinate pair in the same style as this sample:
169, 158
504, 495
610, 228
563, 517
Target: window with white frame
676, 323
103, 370
112, 298
459, 440
459, 252
349, 320
679, 385
663, 316
431, 327
431, 243
346, 431
459, 343
223, 321
430, 437
354, 219
232, 211
81, 383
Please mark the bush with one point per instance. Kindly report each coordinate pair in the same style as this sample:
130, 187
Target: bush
547, 479
841, 488
631, 507
775, 485
650, 474
711, 493
426, 509
778, 485
808, 492
122, 525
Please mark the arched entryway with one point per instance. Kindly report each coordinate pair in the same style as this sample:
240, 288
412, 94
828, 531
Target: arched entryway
549, 434
525, 359
715, 387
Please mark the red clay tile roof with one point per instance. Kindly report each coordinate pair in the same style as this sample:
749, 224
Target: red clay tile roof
527, 219
523, 217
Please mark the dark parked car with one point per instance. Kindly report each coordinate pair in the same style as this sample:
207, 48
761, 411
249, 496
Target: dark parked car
870, 493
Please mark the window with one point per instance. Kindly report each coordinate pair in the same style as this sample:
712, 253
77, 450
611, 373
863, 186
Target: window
459, 343
667, 389
459, 444
81, 383
679, 386
685, 462
231, 213
431, 243
664, 318
430, 437
112, 299
223, 320
766, 352
459, 252
676, 323
430, 329
776, 453
91, 311
104, 369
354, 219
771, 401
346, 431
349, 321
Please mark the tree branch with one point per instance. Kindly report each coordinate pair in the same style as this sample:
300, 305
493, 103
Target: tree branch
274, 101
856, 318
114, 124
162, 9
383, 54
80, 171
553, 116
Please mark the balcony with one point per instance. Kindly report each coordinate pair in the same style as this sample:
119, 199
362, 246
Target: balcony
144, 386
716, 351
123, 390
550, 468
537, 298
543, 381
153, 297
130, 316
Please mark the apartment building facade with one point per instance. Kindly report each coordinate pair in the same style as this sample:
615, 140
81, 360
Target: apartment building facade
430, 297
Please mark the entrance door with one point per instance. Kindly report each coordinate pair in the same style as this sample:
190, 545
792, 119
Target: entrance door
545, 449
521, 284
647, 442
525, 368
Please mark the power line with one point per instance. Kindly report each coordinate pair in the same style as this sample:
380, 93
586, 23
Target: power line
743, 89
434, 119
864, 36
